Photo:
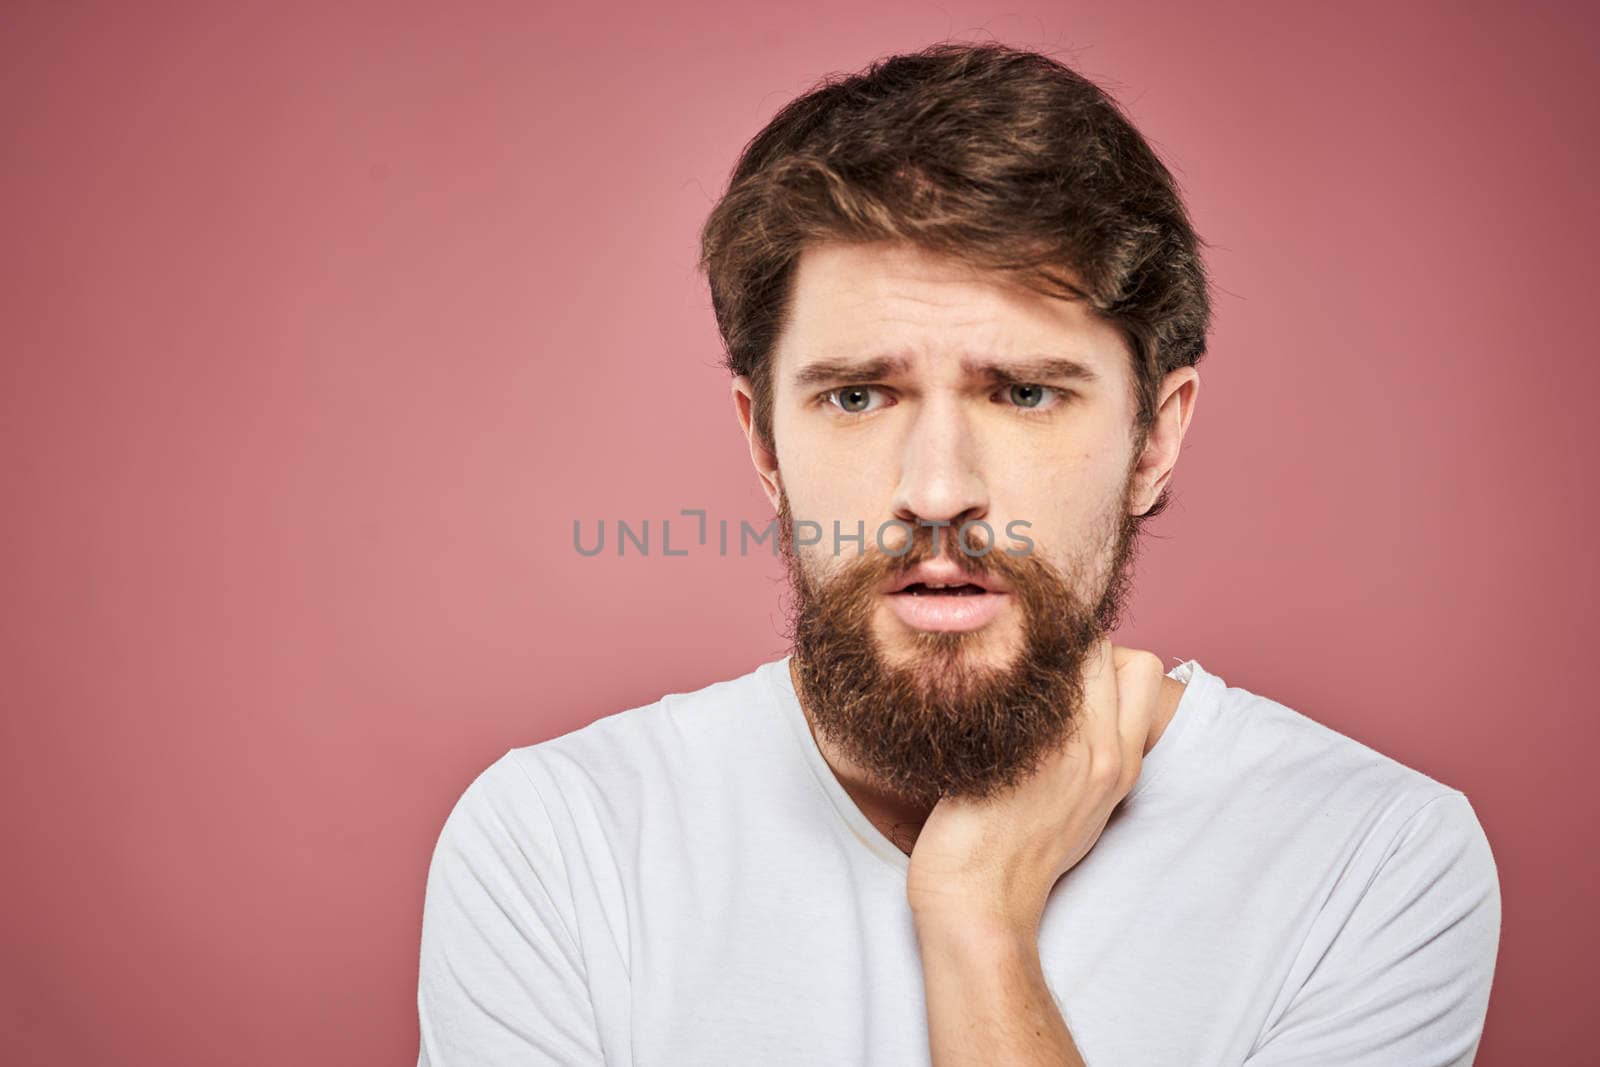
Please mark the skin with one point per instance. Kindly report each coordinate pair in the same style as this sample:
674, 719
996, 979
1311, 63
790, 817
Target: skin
939, 443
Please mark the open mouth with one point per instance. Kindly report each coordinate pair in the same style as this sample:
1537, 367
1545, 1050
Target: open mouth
929, 589
942, 597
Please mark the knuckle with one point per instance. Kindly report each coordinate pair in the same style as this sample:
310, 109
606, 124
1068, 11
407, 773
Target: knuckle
1145, 663
1106, 769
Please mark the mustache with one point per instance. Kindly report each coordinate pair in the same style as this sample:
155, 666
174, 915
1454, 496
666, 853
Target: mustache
994, 566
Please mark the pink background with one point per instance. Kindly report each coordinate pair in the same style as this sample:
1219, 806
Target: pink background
320, 327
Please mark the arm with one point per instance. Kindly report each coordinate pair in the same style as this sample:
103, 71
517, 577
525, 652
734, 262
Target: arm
982, 868
1405, 977
1405, 980
987, 998
502, 978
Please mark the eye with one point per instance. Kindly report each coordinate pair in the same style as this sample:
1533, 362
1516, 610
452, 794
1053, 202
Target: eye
853, 399
1029, 395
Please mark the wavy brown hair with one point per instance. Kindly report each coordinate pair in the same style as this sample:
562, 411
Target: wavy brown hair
1004, 158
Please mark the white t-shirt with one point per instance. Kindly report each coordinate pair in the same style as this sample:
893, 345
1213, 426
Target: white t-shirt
688, 883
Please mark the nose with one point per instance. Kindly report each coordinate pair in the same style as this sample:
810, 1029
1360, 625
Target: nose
940, 476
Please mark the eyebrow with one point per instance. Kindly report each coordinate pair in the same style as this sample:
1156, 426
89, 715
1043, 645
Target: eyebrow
1031, 369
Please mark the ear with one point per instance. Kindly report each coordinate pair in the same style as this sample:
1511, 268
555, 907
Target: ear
1175, 405
764, 459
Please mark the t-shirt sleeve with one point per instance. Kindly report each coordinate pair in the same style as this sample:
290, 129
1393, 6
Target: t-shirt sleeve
1406, 978
501, 979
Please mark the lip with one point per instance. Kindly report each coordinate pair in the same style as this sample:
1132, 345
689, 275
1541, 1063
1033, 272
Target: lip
944, 572
948, 613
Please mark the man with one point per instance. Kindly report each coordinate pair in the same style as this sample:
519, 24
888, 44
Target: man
963, 304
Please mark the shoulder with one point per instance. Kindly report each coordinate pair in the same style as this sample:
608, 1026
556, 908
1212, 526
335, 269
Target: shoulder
1264, 746
1394, 887
638, 756
553, 806
1322, 801
673, 736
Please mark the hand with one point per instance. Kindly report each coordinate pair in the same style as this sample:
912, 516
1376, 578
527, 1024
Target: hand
996, 860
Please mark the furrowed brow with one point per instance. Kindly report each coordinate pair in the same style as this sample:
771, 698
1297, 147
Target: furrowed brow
1038, 369
1041, 369
828, 371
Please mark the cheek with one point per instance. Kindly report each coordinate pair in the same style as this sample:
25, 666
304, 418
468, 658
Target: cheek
1072, 478
1049, 495
1067, 509
832, 482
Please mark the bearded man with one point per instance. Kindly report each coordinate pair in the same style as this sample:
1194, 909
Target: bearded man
963, 306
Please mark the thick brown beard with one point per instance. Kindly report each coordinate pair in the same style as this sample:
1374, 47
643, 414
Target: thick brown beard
942, 724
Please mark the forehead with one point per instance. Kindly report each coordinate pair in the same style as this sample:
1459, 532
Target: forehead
933, 314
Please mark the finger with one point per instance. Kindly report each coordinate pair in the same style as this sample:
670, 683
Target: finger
1098, 717
1139, 675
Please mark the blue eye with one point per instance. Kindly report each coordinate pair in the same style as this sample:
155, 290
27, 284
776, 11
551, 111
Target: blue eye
1029, 395
852, 399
